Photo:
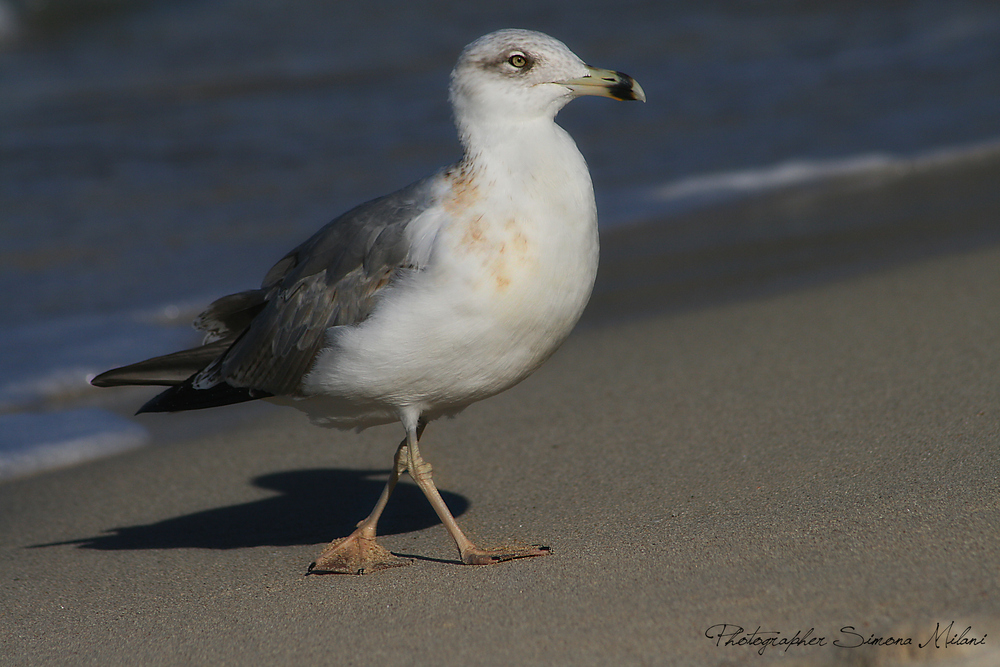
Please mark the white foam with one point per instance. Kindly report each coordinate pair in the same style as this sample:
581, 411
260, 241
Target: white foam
33, 442
42, 361
768, 178
801, 172
55, 359
664, 200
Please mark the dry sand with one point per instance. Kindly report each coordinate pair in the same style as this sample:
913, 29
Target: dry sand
817, 458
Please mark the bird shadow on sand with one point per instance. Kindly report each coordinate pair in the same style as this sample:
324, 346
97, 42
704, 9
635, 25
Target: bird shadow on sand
312, 506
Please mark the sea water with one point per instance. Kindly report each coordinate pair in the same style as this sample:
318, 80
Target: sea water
155, 155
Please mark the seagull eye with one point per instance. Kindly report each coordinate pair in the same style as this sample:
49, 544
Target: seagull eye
518, 60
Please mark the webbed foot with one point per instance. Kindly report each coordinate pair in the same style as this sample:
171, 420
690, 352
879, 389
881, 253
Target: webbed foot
475, 556
354, 554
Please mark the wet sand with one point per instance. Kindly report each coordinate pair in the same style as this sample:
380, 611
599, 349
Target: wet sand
813, 453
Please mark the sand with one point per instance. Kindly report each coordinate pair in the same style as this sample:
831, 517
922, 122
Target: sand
807, 452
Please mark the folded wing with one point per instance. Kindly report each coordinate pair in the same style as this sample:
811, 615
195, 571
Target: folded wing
262, 342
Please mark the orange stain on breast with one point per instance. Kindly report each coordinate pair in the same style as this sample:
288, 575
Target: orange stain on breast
474, 235
500, 245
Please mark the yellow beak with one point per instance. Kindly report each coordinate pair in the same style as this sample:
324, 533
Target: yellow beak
606, 83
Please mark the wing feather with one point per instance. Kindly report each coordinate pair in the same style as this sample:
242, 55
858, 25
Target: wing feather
262, 342
332, 279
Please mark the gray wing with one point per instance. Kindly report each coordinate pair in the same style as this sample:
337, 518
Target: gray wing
262, 342
332, 279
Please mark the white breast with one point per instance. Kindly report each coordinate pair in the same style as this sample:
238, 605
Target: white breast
510, 253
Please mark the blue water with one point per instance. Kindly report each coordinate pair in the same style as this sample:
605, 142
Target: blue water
155, 155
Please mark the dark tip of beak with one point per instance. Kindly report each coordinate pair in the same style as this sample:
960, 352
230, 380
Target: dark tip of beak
625, 88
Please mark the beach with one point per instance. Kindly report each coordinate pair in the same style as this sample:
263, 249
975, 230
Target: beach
810, 458
770, 440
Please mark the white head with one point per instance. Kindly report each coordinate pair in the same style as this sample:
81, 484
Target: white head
521, 75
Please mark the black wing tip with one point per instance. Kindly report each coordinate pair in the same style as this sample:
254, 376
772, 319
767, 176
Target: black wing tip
186, 397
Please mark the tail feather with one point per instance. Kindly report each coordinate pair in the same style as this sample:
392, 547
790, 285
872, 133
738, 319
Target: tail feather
168, 370
177, 371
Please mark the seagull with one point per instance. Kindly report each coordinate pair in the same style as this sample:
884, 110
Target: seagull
417, 304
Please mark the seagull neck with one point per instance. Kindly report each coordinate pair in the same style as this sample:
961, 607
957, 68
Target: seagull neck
519, 150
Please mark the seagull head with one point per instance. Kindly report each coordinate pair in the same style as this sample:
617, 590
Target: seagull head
521, 75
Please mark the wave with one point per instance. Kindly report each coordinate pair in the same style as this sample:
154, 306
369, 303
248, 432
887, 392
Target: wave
662, 201
46, 369
55, 359
33, 442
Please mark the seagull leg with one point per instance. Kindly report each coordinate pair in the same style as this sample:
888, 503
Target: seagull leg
358, 553
470, 554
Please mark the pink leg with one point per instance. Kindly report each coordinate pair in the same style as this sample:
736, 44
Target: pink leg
359, 553
470, 554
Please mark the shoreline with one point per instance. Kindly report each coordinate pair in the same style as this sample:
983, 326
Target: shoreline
773, 242
818, 457
780, 239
